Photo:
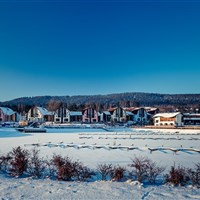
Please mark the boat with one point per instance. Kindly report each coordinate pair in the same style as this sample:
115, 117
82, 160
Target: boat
32, 130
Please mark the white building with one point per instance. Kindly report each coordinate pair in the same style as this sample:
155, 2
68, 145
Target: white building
39, 114
62, 115
168, 119
118, 114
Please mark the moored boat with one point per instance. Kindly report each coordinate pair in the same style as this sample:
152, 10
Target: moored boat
32, 130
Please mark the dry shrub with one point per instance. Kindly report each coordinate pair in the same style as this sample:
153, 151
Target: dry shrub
118, 173
65, 168
105, 170
140, 168
194, 175
153, 171
177, 176
145, 169
81, 172
36, 165
19, 161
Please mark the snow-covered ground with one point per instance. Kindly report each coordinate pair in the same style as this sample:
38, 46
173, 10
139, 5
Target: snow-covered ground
95, 146
18, 189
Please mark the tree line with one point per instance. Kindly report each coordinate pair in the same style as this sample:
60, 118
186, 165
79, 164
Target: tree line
165, 102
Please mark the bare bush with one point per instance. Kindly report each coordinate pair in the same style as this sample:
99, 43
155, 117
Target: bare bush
118, 173
105, 170
194, 175
177, 176
36, 165
65, 168
145, 169
140, 168
19, 161
82, 173
153, 171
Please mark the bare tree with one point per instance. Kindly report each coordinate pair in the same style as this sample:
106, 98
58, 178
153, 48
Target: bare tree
53, 105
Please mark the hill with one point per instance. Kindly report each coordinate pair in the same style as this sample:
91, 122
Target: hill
134, 98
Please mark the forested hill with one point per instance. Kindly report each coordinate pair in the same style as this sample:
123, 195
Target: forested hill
143, 99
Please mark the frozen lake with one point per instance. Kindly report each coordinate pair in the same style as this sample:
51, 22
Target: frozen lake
94, 146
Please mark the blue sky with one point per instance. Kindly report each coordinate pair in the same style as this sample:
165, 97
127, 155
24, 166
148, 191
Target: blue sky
98, 47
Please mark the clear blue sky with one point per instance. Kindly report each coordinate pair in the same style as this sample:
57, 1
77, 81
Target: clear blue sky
98, 47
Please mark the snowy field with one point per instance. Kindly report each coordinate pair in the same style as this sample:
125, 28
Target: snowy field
96, 146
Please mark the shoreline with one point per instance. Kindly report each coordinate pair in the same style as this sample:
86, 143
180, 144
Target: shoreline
168, 127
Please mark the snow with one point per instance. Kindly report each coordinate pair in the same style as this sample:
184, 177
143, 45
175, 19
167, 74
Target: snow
106, 113
84, 145
44, 111
27, 188
75, 113
129, 113
7, 111
167, 115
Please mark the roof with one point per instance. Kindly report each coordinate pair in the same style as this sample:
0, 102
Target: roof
106, 113
148, 109
7, 111
167, 115
131, 109
129, 113
75, 113
44, 111
197, 115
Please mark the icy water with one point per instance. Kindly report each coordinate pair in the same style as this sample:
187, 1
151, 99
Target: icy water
12, 132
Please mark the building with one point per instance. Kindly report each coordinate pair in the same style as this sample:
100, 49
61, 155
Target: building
90, 115
151, 110
140, 115
106, 117
191, 119
75, 116
118, 114
62, 115
8, 115
40, 114
168, 119
129, 116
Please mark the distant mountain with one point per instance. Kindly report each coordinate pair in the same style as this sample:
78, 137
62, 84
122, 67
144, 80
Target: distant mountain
144, 99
